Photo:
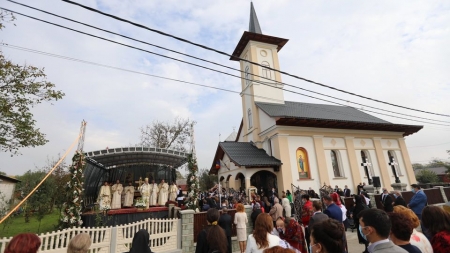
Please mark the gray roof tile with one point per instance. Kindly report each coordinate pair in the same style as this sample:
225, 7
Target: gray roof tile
246, 154
318, 111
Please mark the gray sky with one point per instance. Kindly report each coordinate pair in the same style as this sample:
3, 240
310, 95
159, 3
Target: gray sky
395, 51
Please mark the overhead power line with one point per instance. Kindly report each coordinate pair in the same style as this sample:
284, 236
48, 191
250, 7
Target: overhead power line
251, 62
218, 64
430, 145
200, 66
166, 78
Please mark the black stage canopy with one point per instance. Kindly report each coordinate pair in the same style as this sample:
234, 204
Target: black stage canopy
129, 164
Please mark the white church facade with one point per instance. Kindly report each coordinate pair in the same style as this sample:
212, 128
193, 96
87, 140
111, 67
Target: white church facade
282, 143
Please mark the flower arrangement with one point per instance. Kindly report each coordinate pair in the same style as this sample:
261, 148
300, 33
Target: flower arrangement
71, 213
192, 182
140, 203
105, 208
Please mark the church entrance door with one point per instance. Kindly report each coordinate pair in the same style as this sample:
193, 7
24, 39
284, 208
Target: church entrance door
265, 179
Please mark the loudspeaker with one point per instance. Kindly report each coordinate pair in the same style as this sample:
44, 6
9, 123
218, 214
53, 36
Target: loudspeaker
376, 182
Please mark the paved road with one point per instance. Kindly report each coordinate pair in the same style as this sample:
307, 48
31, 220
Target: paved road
352, 242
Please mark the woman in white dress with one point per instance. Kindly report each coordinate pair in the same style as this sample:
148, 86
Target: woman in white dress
286, 206
240, 219
261, 238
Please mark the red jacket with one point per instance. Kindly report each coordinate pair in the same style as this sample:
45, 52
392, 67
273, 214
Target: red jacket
307, 212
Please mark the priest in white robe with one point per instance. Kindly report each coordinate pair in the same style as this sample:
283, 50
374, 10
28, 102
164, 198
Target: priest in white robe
129, 195
104, 196
163, 193
117, 189
154, 193
145, 192
173, 189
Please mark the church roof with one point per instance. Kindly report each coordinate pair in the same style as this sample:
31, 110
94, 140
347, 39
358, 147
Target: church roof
244, 154
318, 111
330, 116
254, 23
232, 136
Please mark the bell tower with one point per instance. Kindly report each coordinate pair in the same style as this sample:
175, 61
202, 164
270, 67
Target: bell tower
259, 83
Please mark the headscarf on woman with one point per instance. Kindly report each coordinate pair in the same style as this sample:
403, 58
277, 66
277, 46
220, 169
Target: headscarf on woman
140, 242
294, 235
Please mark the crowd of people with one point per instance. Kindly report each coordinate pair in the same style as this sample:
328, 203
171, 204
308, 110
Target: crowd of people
397, 228
414, 227
80, 243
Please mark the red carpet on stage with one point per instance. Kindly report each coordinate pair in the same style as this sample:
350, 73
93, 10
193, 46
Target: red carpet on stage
136, 210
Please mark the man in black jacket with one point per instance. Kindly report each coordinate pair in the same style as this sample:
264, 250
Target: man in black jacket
225, 222
386, 200
399, 200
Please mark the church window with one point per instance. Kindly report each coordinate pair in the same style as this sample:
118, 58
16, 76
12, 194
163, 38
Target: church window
250, 119
265, 70
335, 163
365, 156
247, 75
392, 157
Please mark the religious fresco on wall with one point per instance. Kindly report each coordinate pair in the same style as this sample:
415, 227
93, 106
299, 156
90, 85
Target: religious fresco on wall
303, 164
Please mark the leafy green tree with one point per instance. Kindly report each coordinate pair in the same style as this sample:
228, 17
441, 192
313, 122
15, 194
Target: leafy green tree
425, 176
206, 181
21, 88
417, 166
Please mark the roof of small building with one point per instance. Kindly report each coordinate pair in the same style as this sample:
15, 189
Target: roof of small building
438, 170
244, 154
2, 177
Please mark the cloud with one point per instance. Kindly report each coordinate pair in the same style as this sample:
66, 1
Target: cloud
392, 51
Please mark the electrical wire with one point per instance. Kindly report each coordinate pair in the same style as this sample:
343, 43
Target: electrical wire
200, 66
430, 145
218, 64
177, 80
241, 59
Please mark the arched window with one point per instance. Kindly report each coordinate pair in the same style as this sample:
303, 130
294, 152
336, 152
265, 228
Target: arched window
265, 71
250, 119
392, 157
247, 75
365, 158
335, 163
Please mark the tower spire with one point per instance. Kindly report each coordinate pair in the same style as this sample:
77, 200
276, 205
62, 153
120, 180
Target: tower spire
254, 24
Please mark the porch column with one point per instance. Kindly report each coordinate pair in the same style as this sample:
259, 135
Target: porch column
408, 166
381, 162
354, 166
321, 161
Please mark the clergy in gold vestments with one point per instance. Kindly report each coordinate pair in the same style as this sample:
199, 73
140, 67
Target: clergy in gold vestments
145, 192
154, 193
104, 196
129, 195
117, 195
163, 193
173, 191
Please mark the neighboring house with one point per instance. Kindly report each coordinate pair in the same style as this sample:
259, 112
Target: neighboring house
7, 188
441, 172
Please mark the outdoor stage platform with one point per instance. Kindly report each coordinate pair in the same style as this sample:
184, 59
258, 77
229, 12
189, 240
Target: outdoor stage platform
117, 217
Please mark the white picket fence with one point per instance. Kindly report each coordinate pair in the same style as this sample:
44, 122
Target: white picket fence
165, 235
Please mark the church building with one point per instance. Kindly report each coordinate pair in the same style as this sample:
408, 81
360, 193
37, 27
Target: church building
283, 143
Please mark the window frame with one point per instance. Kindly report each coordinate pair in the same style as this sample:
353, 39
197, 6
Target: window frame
338, 164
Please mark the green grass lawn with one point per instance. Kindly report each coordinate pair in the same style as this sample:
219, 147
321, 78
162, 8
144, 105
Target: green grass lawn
18, 225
